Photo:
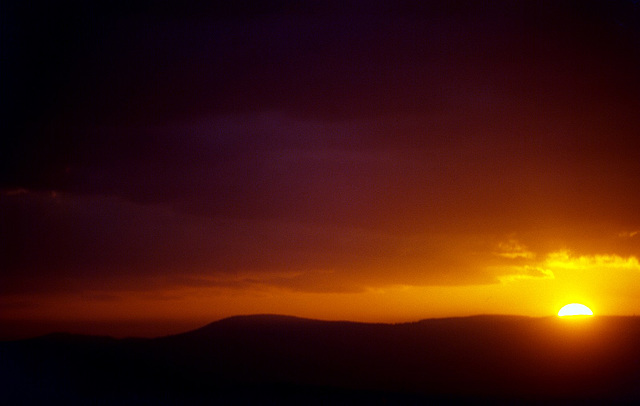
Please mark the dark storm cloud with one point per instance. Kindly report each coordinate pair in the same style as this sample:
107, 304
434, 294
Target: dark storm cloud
216, 137
66, 243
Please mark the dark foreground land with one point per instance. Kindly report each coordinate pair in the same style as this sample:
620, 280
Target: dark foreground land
286, 360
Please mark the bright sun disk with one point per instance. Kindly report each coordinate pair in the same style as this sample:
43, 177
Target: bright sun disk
575, 309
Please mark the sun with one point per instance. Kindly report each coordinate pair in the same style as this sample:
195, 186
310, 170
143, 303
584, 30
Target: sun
575, 309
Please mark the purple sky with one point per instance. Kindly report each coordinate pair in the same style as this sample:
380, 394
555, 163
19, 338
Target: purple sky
379, 142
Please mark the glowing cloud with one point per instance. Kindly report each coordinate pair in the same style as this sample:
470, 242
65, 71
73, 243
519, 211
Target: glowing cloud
563, 260
512, 249
526, 272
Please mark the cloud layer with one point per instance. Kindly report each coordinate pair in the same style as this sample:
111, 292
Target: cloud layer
324, 147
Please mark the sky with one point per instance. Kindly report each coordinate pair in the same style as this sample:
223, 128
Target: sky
167, 164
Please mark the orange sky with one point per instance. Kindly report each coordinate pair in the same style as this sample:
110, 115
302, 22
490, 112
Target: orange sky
526, 284
170, 166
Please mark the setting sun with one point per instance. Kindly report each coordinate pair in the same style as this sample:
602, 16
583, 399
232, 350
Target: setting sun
575, 309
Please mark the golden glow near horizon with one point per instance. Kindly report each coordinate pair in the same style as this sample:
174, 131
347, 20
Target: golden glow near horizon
526, 283
575, 309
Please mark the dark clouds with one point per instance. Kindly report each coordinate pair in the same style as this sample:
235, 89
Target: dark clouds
66, 243
375, 142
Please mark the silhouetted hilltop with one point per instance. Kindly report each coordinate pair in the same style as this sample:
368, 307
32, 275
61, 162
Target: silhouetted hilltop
279, 358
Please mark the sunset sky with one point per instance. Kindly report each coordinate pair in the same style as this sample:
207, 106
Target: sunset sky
168, 164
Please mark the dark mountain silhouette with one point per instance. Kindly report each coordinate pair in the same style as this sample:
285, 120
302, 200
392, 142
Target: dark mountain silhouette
278, 359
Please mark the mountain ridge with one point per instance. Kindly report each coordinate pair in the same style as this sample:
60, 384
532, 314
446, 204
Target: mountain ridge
470, 358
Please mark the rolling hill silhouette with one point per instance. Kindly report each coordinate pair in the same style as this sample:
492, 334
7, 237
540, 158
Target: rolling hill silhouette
281, 359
